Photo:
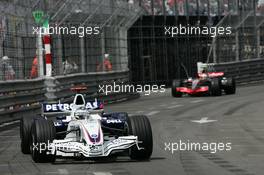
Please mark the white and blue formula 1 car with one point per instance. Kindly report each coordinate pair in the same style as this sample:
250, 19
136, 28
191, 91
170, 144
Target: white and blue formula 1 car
83, 129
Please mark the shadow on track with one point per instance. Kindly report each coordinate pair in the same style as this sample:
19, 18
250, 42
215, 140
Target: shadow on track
103, 161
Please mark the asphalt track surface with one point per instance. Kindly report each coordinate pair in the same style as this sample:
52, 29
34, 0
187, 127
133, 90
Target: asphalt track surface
240, 120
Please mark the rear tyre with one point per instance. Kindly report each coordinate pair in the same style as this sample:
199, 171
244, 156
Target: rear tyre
43, 133
230, 86
140, 126
215, 88
175, 85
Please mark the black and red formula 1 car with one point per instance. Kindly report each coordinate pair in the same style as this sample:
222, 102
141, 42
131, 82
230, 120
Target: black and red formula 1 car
209, 83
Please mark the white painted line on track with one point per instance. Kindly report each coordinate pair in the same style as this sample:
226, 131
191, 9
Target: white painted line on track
153, 113
9, 136
174, 103
175, 106
6, 131
63, 171
203, 120
4, 165
196, 101
102, 173
14, 141
138, 112
9, 123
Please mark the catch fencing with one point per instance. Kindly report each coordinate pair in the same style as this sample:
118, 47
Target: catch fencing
91, 32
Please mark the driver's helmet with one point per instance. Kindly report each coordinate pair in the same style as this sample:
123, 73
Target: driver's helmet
81, 113
203, 75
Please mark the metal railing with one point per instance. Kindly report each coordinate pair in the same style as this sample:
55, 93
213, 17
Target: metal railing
78, 51
24, 97
20, 98
246, 71
60, 85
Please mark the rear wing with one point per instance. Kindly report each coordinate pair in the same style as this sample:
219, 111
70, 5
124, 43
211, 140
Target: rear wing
207, 70
211, 74
66, 108
205, 67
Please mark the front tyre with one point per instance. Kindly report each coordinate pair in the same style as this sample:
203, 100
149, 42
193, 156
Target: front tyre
176, 84
140, 126
25, 133
43, 133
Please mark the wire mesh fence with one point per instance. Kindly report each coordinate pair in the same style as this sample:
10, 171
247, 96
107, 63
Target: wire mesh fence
244, 18
86, 36
245, 41
74, 53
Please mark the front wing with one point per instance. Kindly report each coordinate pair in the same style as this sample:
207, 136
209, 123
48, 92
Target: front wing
68, 148
191, 91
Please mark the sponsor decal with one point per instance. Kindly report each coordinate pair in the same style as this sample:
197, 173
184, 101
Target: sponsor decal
94, 136
114, 121
62, 107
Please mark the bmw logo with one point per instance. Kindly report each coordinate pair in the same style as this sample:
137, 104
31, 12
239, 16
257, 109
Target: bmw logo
94, 135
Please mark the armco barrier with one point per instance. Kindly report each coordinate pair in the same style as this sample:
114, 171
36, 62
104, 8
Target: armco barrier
23, 97
247, 71
59, 86
20, 98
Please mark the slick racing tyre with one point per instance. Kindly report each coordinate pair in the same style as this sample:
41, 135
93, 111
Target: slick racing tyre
230, 87
43, 133
140, 126
25, 133
174, 92
215, 87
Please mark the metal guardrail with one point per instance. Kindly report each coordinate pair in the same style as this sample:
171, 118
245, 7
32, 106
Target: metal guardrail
59, 86
20, 98
244, 71
24, 97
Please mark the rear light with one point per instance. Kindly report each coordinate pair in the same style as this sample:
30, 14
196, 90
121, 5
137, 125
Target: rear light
79, 88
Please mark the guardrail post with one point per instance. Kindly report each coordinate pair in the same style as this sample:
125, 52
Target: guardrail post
237, 45
103, 49
258, 43
82, 54
40, 55
214, 52
118, 54
1, 46
123, 49
50, 83
59, 66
